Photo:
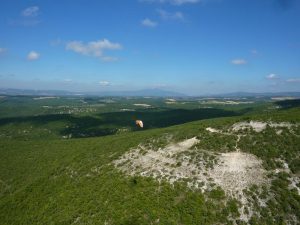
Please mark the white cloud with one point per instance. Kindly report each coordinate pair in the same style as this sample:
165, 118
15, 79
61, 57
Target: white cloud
32, 11
238, 61
104, 83
272, 76
33, 55
173, 2
29, 17
293, 80
170, 15
94, 48
148, 23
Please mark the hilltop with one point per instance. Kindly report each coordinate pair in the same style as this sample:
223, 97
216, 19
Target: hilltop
235, 168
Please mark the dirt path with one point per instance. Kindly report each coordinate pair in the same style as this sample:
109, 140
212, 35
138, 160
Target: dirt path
237, 142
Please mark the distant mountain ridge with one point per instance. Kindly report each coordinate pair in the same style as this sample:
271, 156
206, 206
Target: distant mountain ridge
266, 94
140, 93
143, 93
262, 94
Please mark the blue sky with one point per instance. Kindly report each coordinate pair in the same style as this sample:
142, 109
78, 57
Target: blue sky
189, 46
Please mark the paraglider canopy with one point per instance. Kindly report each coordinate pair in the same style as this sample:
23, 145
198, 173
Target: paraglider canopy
139, 123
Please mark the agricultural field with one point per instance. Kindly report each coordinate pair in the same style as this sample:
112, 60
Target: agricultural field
64, 117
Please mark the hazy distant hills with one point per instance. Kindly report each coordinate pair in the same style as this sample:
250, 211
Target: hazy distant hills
11, 91
140, 93
144, 93
263, 94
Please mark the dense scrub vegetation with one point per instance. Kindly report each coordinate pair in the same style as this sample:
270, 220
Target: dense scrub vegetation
26, 117
47, 180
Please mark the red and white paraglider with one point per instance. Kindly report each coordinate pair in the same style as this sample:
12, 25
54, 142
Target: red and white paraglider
139, 123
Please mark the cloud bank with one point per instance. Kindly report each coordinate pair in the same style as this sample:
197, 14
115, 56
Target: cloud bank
32, 11
272, 76
148, 23
33, 55
172, 2
170, 15
293, 80
238, 61
94, 48
104, 83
